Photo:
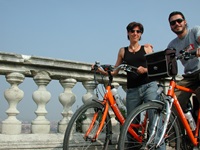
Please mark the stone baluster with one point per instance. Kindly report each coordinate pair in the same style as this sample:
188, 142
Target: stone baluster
89, 86
115, 123
41, 97
67, 99
13, 95
124, 87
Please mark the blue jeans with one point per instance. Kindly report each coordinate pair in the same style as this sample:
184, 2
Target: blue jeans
142, 94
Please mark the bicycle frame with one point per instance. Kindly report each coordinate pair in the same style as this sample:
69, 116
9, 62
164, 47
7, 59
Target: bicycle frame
193, 136
119, 115
110, 101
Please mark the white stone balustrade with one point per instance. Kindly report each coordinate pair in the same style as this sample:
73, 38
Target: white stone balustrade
16, 68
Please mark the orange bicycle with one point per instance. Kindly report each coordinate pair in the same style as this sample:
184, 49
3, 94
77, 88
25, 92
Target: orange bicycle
90, 127
164, 116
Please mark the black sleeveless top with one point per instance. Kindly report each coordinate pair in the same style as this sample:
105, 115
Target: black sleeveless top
136, 59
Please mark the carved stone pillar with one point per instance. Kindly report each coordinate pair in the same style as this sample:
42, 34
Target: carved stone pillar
67, 99
89, 86
115, 123
41, 97
13, 95
124, 87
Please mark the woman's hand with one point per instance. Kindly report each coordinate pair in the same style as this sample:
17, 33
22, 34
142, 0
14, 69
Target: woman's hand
99, 70
141, 70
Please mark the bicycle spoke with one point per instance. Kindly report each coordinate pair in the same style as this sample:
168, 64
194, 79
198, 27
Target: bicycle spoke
80, 123
153, 129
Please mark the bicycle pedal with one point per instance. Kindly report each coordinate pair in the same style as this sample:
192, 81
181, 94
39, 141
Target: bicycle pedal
90, 138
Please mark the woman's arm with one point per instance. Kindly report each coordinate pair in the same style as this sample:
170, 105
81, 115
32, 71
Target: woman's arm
119, 60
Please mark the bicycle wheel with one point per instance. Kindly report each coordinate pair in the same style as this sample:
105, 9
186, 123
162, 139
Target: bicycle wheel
144, 128
74, 137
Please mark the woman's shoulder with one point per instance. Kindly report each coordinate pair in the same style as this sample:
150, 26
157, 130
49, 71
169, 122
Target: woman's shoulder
123, 49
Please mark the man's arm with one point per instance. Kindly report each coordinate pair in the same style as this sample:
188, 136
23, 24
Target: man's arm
197, 36
198, 39
198, 49
198, 52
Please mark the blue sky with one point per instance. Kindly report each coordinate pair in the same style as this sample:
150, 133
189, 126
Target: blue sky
84, 31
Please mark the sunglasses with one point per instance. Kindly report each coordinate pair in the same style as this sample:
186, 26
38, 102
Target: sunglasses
133, 31
174, 21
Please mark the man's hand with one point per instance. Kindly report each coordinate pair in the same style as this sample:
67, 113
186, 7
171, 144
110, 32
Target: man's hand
148, 45
198, 52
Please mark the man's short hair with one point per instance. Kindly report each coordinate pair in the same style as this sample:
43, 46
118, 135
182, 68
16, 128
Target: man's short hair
176, 13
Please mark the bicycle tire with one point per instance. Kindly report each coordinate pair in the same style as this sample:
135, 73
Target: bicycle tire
74, 134
173, 138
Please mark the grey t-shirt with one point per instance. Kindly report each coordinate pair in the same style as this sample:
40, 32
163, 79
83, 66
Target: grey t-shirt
189, 42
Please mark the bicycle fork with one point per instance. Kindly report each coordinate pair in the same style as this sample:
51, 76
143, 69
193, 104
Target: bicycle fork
168, 113
153, 132
104, 115
156, 125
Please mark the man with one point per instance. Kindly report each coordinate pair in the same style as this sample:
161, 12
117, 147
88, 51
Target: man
187, 39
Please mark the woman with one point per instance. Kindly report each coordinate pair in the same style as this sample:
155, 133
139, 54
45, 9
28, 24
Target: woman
140, 88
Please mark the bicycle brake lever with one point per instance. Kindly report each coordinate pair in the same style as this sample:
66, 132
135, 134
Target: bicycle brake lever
97, 63
182, 51
96, 66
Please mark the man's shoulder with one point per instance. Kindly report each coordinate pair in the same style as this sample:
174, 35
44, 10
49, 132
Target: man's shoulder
195, 29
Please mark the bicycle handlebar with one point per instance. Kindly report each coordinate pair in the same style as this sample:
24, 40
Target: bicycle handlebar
109, 68
186, 54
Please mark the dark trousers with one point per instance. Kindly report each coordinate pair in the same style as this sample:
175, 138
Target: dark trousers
192, 82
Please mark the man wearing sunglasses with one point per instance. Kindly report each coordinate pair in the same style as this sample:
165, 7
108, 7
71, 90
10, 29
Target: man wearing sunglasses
187, 39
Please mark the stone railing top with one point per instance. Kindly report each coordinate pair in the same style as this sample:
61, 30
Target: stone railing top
57, 68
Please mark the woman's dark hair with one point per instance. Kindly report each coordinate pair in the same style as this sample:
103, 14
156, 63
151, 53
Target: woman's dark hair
132, 25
